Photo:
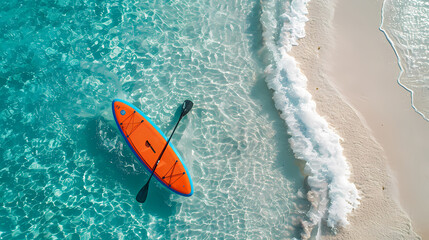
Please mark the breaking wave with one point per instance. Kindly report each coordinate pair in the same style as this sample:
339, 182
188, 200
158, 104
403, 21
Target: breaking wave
331, 193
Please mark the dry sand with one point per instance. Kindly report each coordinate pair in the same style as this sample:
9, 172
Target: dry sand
352, 72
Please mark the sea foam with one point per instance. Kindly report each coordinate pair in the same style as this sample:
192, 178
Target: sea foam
331, 194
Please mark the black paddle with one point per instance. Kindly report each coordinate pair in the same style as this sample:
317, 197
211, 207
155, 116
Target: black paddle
142, 195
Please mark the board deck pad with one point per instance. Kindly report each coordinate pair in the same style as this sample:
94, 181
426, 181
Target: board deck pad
147, 141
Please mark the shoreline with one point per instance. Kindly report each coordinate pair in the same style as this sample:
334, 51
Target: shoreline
401, 69
339, 83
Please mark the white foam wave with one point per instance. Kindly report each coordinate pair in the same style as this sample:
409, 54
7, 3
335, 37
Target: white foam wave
331, 193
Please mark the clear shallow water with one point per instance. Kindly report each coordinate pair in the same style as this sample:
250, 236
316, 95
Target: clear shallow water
406, 25
65, 169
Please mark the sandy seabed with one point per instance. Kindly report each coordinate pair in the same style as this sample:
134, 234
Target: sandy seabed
352, 74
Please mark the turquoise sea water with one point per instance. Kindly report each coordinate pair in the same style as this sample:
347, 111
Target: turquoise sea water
65, 170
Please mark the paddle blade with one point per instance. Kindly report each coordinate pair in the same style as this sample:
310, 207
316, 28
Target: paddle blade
187, 105
142, 195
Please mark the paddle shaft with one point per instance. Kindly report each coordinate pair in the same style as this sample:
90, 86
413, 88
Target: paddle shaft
165, 147
142, 195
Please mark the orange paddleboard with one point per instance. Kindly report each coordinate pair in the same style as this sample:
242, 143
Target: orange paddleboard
146, 140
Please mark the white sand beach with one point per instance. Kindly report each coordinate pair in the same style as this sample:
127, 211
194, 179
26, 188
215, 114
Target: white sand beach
352, 74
